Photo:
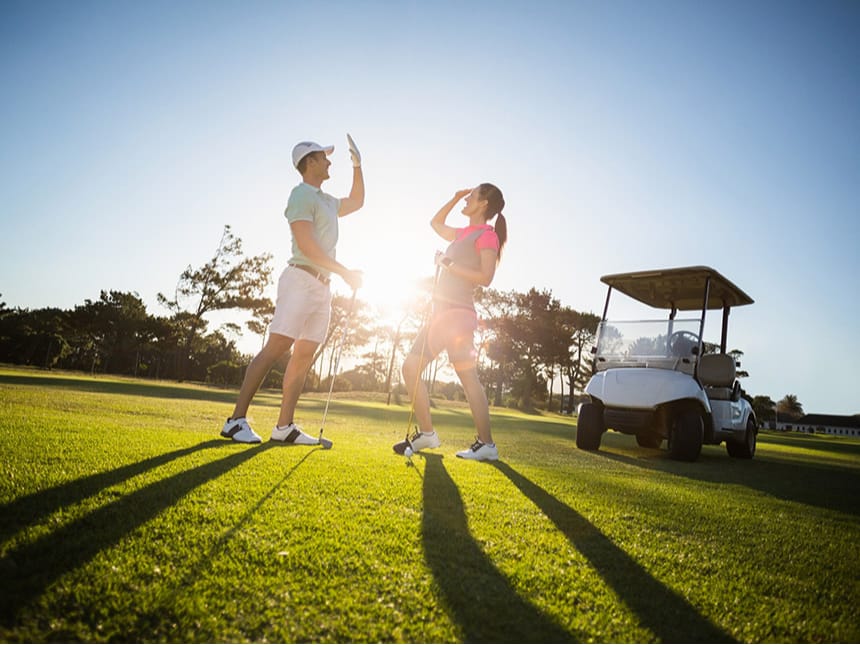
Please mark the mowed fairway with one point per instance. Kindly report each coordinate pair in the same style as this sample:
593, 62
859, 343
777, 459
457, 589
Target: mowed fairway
124, 517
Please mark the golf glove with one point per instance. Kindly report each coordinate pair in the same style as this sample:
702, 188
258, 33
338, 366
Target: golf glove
353, 152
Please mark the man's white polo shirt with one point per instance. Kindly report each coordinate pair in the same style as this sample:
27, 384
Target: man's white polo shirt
310, 204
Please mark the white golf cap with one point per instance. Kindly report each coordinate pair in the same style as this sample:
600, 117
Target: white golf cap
306, 147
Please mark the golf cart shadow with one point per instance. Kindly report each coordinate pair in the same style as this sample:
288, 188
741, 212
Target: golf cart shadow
831, 488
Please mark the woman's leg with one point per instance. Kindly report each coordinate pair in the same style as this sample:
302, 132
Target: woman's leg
477, 398
460, 334
412, 368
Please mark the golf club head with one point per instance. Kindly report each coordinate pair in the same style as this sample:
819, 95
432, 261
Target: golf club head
402, 447
326, 443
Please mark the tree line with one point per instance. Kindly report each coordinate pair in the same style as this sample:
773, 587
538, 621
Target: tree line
527, 342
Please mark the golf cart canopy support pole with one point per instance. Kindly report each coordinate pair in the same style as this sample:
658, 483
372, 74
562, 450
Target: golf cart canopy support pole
606, 306
704, 311
725, 333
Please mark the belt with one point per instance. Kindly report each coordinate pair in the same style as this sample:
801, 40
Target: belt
319, 276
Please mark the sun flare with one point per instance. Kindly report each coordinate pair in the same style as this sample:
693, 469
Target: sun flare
395, 280
392, 295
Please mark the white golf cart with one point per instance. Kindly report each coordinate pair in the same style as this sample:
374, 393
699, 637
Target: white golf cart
657, 379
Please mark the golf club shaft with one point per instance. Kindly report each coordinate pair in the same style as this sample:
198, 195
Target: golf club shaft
346, 328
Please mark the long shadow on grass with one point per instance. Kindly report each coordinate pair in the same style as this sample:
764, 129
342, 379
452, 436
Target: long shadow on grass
669, 617
810, 442
132, 388
479, 599
537, 424
161, 618
30, 569
30, 509
834, 488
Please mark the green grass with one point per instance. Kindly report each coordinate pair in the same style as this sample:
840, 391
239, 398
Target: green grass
123, 517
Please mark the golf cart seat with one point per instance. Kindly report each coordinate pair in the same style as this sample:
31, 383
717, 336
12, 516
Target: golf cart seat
717, 376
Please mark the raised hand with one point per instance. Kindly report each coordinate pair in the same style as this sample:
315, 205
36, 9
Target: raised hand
353, 151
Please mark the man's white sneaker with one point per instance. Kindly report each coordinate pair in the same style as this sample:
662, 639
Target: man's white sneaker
480, 452
239, 430
418, 441
292, 435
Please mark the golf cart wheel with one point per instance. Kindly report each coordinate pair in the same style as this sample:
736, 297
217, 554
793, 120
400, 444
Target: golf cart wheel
746, 448
649, 440
589, 427
686, 435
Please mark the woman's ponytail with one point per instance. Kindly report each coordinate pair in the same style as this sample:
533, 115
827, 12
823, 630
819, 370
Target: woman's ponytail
495, 205
501, 228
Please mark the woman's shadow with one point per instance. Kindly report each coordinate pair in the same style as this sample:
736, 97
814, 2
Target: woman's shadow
477, 596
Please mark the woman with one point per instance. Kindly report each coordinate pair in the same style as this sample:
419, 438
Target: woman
470, 260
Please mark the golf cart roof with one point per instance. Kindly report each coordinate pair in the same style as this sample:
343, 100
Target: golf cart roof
682, 288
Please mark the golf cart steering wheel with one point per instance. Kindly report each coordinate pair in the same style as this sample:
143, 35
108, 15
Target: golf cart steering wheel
681, 343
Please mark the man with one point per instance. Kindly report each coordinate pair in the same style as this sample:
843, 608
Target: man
303, 306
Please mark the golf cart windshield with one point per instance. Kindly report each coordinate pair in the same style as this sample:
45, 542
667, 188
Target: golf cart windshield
647, 341
671, 343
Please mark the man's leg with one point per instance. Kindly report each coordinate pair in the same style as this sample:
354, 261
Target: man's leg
294, 378
275, 347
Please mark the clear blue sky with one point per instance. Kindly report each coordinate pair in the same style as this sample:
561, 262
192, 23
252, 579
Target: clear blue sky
625, 136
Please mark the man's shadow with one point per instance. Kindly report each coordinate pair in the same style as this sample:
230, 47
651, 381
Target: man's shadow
668, 615
28, 570
164, 611
477, 596
30, 509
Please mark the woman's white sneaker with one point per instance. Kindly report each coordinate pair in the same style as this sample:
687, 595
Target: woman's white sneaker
239, 430
480, 451
419, 441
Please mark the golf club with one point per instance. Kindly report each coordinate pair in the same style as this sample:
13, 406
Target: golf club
325, 443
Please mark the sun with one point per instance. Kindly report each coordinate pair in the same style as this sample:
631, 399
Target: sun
396, 272
392, 295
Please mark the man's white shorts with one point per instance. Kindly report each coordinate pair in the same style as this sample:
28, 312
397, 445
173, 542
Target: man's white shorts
303, 307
